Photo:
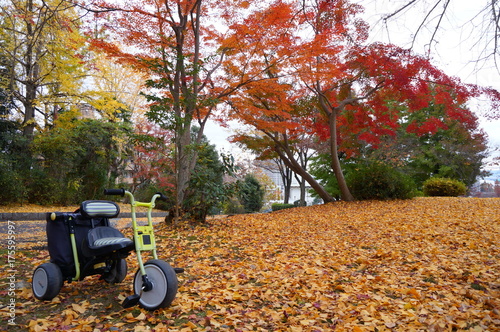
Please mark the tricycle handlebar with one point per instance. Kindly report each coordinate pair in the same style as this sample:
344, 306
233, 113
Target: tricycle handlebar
162, 196
118, 192
122, 192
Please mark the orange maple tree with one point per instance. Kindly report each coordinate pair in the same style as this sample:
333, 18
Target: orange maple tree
178, 45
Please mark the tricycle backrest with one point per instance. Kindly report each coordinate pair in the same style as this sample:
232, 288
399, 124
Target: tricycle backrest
99, 209
58, 229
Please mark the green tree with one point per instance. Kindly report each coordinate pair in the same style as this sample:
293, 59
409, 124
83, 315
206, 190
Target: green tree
14, 162
207, 191
79, 159
434, 142
14, 158
251, 194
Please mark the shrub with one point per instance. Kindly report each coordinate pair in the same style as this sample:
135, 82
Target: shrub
378, 181
281, 206
251, 194
233, 206
444, 187
45, 190
11, 183
297, 203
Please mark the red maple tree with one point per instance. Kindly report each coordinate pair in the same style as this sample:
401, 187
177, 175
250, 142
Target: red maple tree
359, 88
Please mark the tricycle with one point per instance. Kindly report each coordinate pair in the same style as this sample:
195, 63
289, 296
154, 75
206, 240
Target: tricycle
83, 243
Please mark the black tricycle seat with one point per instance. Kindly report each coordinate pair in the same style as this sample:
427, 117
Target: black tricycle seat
103, 240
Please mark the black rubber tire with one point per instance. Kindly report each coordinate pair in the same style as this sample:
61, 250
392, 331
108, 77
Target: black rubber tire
118, 272
121, 270
164, 281
47, 281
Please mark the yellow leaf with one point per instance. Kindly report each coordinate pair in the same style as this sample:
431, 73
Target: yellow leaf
311, 270
413, 292
78, 308
296, 329
237, 296
390, 325
408, 306
306, 322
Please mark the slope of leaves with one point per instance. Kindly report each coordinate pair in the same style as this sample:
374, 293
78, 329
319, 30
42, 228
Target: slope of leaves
428, 264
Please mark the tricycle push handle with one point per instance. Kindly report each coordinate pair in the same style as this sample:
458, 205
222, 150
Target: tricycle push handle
118, 192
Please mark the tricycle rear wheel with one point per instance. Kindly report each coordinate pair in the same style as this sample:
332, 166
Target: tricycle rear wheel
47, 281
118, 272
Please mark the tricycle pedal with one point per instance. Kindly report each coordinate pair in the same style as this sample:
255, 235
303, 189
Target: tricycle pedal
131, 301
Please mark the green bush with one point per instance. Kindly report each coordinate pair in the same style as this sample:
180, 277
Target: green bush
297, 203
44, 190
11, 183
379, 181
251, 194
281, 206
444, 187
233, 206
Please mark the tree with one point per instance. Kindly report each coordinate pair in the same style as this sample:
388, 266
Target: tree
207, 191
445, 144
6, 102
152, 163
281, 141
431, 19
14, 161
175, 42
78, 159
276, 165
251, 194
359, 87
116, 89
428, 143
35, 39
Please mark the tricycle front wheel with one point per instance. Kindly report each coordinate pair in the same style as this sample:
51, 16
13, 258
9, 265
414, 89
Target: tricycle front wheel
164, 285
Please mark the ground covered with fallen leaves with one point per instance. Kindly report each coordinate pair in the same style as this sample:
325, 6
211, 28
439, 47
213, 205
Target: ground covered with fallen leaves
427, 264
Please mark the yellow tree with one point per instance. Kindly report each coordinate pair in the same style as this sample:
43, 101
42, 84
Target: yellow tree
116, 89
42, 43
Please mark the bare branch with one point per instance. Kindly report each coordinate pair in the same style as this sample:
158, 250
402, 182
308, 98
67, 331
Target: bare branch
424, 21
387, 17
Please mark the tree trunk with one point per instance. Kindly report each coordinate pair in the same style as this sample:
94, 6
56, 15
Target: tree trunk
32, 72
303, 193
287, 183
288, 159
345, 193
